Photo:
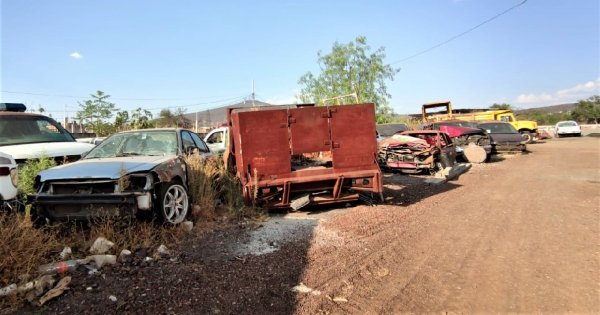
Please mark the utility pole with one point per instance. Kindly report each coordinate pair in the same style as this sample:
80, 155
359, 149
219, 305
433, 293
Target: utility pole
253, 94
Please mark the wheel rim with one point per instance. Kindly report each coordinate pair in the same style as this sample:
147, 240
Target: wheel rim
175, 204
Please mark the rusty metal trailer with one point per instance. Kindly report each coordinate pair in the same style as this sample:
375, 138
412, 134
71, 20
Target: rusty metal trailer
304, 154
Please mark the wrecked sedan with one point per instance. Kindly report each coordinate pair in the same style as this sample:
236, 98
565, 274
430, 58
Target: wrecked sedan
505, 138
472, 143
417, 152
132, 172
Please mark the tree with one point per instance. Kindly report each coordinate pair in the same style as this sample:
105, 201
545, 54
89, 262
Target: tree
96, 112
501, 106
168, 118
350, 69
121, 120
587, 110
140, 118
40, 109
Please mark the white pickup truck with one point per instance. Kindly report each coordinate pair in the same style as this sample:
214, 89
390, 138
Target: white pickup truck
217, 140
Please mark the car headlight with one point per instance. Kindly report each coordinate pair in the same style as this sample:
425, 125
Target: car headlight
14, 177
4, 160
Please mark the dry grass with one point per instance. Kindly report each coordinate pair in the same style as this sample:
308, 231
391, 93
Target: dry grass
129, 234
212, 186
24, 248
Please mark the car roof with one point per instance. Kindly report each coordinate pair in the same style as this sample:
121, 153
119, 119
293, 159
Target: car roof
9, 113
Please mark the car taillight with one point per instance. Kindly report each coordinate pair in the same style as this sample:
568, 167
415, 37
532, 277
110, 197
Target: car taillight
14, 177
4, 171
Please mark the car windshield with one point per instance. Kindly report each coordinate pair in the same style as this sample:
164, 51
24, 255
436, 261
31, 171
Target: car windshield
23, 129
138, 143
498, 128
567, 124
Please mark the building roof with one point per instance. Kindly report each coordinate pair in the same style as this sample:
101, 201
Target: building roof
215, 117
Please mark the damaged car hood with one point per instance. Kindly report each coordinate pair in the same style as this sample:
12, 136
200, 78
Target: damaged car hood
457, 131
107, 168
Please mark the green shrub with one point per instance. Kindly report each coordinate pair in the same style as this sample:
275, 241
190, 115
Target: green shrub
29, 171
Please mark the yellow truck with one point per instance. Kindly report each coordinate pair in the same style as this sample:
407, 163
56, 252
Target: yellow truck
526, 127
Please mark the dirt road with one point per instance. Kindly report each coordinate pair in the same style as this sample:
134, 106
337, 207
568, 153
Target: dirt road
520, 235
517, 235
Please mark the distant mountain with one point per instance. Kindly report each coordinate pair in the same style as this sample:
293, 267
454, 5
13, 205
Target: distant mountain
562, 108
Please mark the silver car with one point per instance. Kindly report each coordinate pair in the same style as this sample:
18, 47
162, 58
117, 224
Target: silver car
128, 173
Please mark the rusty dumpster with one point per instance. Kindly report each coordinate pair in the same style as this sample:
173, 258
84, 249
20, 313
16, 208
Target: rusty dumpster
291, 156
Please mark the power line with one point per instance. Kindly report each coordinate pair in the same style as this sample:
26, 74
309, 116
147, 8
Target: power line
461, 34
113, 98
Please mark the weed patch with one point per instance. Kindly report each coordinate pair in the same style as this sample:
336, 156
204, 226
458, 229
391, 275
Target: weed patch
212, 186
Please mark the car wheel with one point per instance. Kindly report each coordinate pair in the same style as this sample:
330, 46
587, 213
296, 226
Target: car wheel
173, 203
528, 136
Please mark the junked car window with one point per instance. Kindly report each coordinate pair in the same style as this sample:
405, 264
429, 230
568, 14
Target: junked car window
199, 143
155, 143
23, 129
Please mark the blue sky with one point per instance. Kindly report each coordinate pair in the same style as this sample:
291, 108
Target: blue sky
201, 54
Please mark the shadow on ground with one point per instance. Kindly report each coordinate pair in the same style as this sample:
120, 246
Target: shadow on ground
405, 190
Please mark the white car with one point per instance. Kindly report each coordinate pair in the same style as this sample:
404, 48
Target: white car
8, 181
567, 128
29, 136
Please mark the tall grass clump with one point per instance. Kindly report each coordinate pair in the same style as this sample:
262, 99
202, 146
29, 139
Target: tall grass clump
212, 185
23, 248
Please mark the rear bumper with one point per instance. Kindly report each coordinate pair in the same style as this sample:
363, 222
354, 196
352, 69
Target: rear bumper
328, 187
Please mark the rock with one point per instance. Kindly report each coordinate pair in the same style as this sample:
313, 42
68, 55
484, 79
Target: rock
101, 246
125, 255
339, 299
188, 226
66, 253
301, 288
162, 252
112, 298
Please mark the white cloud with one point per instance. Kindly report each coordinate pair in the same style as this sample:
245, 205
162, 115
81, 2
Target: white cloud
588, 87
572, 94
76, 55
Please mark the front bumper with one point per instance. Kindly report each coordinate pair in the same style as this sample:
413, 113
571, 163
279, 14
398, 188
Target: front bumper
84, 206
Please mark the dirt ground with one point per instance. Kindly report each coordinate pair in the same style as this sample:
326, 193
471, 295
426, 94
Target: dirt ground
520, 234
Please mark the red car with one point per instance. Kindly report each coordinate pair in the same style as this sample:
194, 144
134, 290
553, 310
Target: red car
420, 151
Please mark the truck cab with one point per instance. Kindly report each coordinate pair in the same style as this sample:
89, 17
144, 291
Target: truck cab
217, 140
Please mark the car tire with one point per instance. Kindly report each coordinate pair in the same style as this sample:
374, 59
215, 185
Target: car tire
528, 136
173, 203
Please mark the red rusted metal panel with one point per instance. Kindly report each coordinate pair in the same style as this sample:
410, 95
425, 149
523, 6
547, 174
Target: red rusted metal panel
353, 140
309, 130
262, 141
265, 140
